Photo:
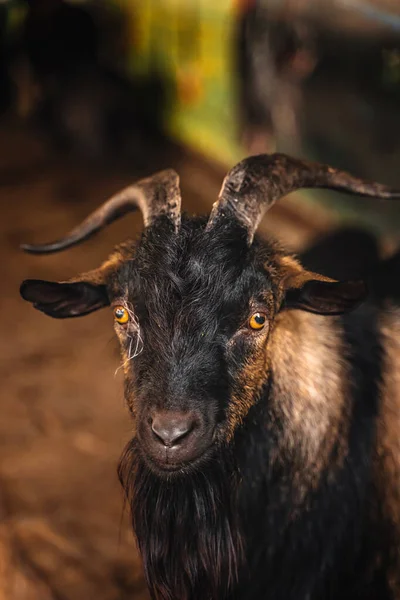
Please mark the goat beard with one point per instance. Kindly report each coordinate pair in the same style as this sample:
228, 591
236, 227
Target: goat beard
186, 527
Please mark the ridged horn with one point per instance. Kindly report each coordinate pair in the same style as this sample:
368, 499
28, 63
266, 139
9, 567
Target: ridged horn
253, 185
154, 196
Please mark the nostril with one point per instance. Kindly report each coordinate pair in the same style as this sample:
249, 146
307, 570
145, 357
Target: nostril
172, 428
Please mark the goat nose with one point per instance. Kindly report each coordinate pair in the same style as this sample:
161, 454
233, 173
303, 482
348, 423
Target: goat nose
172, 427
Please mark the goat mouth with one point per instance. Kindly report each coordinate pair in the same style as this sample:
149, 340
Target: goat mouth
168, 467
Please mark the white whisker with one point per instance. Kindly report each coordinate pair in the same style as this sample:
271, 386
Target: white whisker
133, 333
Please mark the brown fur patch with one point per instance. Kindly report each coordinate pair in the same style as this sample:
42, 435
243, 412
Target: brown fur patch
309, 389
251, 380
389, 431
255, 372
101, 276
295, 276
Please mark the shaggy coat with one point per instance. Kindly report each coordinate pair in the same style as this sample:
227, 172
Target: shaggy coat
291, 488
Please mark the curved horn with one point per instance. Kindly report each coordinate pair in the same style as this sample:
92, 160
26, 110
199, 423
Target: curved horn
155, 196
252, 186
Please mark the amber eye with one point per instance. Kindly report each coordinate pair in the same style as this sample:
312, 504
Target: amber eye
257, 321
121, 315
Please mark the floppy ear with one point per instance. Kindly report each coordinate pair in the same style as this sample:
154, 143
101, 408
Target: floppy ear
79, 296
318, 294
63, 300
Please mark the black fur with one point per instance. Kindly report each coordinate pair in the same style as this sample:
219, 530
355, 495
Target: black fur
186, 527
240, 522
232, 526
197, 531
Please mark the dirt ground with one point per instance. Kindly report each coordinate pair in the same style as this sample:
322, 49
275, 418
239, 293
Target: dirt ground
64, 533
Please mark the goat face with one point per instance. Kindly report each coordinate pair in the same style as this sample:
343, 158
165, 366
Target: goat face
199, 308
195, 301
193, 312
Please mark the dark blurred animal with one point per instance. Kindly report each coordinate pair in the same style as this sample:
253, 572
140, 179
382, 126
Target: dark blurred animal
276, 55
85, 106
265, 461
58, 37
363, 71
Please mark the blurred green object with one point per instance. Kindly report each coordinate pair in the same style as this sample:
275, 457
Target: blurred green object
190, 43
349, 101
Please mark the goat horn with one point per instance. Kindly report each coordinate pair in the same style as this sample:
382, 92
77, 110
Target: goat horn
155, 196
253, 185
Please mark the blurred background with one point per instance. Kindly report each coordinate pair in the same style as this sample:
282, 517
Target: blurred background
94, 95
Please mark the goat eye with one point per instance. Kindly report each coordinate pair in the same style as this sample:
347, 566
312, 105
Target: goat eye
121, 315
257, 321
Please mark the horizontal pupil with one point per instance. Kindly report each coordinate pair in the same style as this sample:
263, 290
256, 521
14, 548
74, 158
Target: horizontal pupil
119, 313
259, 319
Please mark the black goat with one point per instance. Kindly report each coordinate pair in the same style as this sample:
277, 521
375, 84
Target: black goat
266, 456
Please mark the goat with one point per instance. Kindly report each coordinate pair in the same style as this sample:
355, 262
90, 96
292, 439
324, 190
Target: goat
265, 460
275, 57
80, 103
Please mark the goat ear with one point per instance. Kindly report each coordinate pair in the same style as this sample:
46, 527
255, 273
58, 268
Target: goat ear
318, 294
79, 296
326, 297
63, 300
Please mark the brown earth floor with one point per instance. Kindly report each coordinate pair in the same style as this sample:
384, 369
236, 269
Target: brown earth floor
64, 534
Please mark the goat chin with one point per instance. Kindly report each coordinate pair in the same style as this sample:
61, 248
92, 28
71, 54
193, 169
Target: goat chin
190, 548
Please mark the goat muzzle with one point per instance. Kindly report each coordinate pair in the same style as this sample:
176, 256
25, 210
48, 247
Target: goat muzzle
172, 439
